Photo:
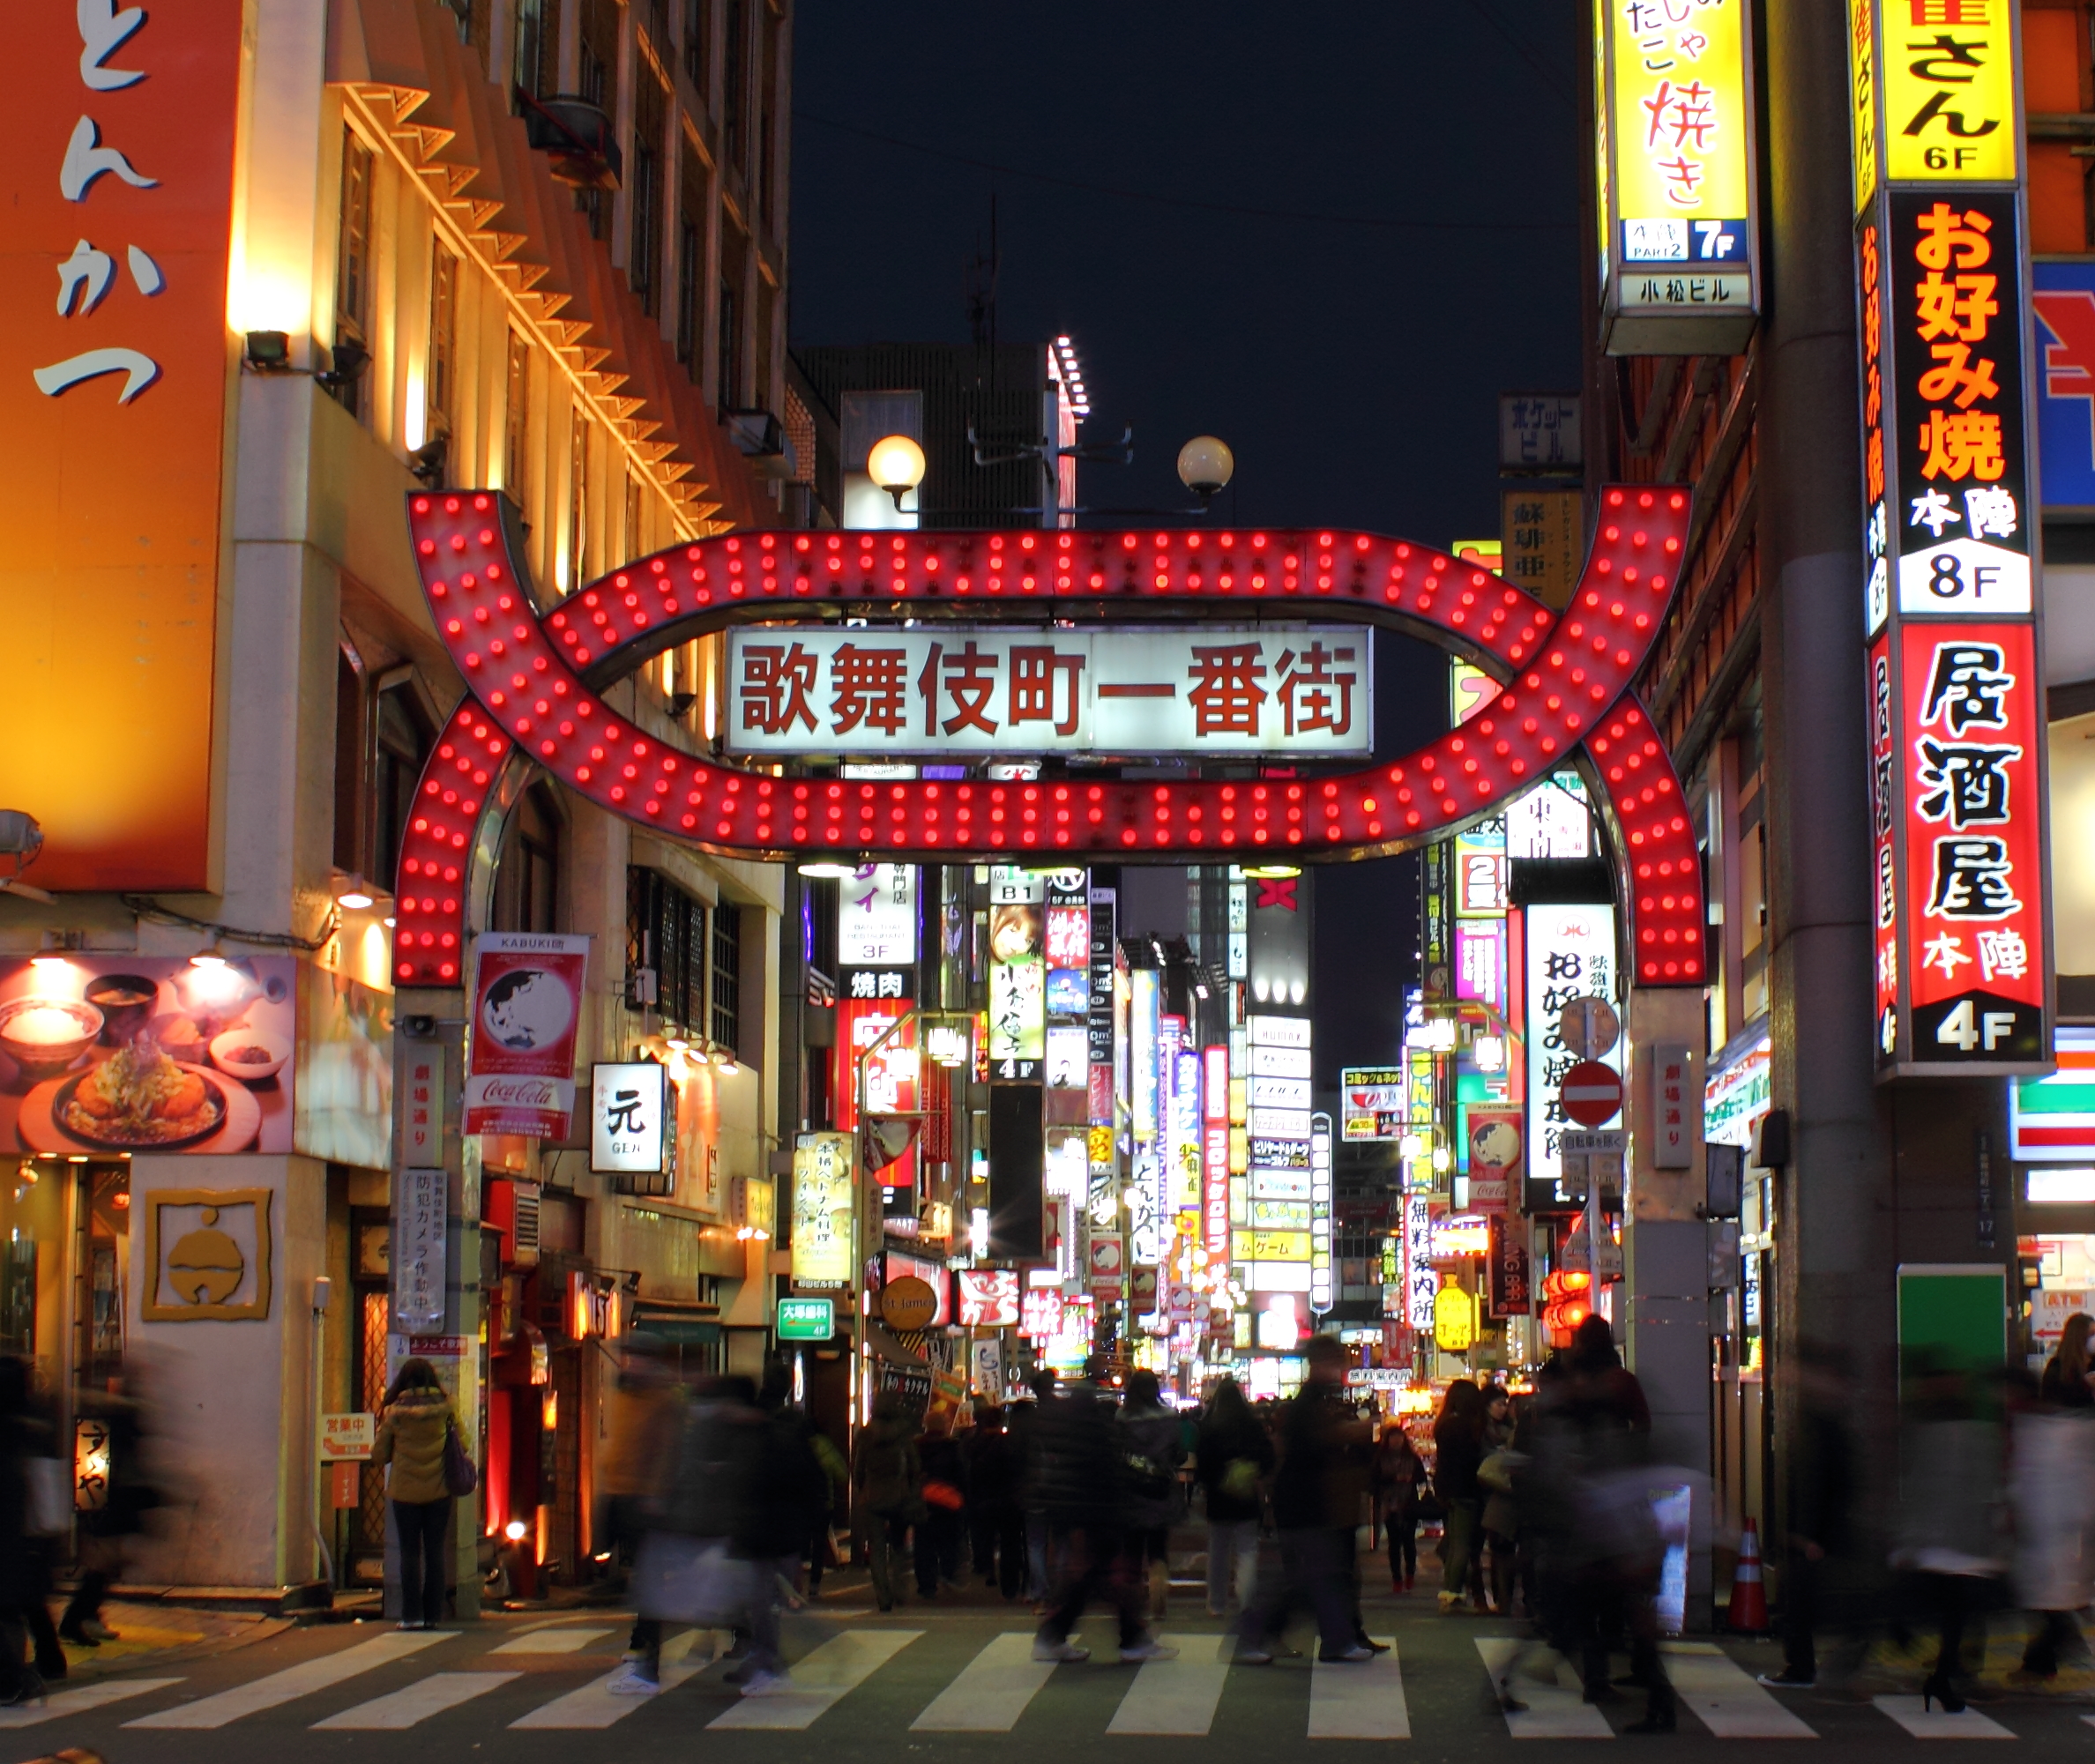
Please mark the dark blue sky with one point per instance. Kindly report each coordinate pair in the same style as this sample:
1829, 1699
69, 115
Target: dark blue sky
1331, 236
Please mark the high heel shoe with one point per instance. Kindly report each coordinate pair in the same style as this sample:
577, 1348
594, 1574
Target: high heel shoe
1939, 1689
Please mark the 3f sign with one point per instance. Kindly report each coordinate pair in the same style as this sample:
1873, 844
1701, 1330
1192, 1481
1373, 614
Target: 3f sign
1966, 1028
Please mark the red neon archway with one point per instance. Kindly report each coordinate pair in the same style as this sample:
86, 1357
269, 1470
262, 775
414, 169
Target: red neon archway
533, 682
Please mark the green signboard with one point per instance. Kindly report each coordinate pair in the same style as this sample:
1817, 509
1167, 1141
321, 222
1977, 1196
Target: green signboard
806, 1320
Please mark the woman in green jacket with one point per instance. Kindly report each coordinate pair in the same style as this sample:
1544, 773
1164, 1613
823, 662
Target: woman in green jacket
411, 1435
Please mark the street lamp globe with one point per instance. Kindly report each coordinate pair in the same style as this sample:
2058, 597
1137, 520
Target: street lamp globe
896, 463
1205, 465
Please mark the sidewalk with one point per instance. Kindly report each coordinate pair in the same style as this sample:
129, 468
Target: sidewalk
161, 1634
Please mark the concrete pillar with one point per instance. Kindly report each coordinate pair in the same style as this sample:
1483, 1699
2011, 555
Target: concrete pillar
1665, 1328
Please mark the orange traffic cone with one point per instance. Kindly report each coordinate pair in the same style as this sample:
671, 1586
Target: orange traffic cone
1749, 1597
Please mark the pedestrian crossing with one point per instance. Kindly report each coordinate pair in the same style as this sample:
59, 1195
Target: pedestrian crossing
550, 1679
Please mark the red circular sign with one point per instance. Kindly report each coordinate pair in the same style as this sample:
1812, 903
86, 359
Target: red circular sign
1592, 1093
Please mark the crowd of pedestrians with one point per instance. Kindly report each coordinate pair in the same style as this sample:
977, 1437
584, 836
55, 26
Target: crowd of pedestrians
725, 1498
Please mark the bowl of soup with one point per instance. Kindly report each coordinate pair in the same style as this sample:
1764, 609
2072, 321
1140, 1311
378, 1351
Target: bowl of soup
125, 1001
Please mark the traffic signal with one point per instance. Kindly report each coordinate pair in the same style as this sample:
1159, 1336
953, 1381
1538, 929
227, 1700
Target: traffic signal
1566, 1303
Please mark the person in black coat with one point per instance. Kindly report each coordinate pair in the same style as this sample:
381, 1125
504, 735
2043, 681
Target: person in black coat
997, 1522
1234, 1456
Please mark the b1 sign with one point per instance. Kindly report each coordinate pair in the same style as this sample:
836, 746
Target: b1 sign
994, 690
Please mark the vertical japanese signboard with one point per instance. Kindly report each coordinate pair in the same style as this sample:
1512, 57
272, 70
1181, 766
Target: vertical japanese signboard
422, 1226
824, 1210
1955, 708
1321, 1292
1570, 954
1677, 257
118, 193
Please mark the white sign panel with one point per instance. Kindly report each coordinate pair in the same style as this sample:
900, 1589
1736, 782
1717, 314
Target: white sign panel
1551, 820
876, 916
988, 689
627, 1112
423, 1216
1570, 954
1279, 1031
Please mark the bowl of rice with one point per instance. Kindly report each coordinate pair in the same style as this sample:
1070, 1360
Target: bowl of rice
45, 1036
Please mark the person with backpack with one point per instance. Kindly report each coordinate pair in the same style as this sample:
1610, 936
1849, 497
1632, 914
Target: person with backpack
1151, 1450
414, 1439
1235, 1455
889, 1481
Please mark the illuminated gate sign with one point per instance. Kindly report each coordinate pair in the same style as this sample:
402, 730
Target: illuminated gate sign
988, 689
1679, 260
1956, 721
534, 687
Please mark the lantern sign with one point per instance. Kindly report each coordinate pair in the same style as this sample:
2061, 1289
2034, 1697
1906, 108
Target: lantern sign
1960, 879
1679, 256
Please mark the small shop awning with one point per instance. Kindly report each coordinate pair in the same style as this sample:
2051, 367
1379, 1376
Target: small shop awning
888, 1347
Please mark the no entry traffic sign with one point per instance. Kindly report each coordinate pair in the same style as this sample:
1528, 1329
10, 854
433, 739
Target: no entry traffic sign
1592, 1093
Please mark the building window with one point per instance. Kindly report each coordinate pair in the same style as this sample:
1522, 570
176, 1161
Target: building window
598, 53
651, 106
727, 978
530, 71
730, 396
444, 337
665, 949
528, 876
353, 260
577, 502
349, 759
690, 244
516, 441
698, 46
403, 745
633, 543
734, 78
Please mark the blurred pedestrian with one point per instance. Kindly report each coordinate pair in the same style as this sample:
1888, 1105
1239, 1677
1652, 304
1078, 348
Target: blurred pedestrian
1398, 1475
104, 1533
1498, 1482
1080, 1481
2051, 1469
781, 1490
837, 1474
1235, 1455
1038, 1579
414, 1433
997, 1521
942, 1528
640, 1421
1151, 1450
2067, 1382
1821, 1509
1950, 1508
1621, 1555
1311, 1508
1457, 1452
889, 1481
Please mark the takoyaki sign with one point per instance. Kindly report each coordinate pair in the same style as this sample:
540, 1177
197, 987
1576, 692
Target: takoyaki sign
866, 637
527, 992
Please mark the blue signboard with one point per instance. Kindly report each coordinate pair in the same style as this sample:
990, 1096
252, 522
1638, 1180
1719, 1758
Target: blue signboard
2063, 294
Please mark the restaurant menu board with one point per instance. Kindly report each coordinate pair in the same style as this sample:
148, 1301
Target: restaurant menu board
110, 1055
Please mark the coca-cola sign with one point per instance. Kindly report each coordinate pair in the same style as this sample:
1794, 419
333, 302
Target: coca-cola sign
527, 999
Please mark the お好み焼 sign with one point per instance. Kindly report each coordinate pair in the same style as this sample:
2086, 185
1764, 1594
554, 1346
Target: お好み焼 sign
207, 1251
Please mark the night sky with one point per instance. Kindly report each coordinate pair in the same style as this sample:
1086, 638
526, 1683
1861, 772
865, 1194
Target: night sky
1330, 235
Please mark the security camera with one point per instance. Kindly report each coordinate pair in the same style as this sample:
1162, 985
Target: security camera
21, 839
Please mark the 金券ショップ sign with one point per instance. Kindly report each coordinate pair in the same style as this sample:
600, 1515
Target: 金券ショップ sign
995, 689
527, 997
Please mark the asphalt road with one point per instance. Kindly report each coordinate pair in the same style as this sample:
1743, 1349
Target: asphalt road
957, 1682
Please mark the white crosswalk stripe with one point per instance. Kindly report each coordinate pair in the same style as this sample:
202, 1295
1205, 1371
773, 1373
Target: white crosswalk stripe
992, 1691
81, 1699
1553, 1712
426, 1697
818, 1682
1717, 1690
594, 1706
1363, 1701
1176, 1696
1938, 1723
301, 1680
553, 1641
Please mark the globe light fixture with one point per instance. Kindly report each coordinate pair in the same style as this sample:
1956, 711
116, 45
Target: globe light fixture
896, 463
1205, 465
